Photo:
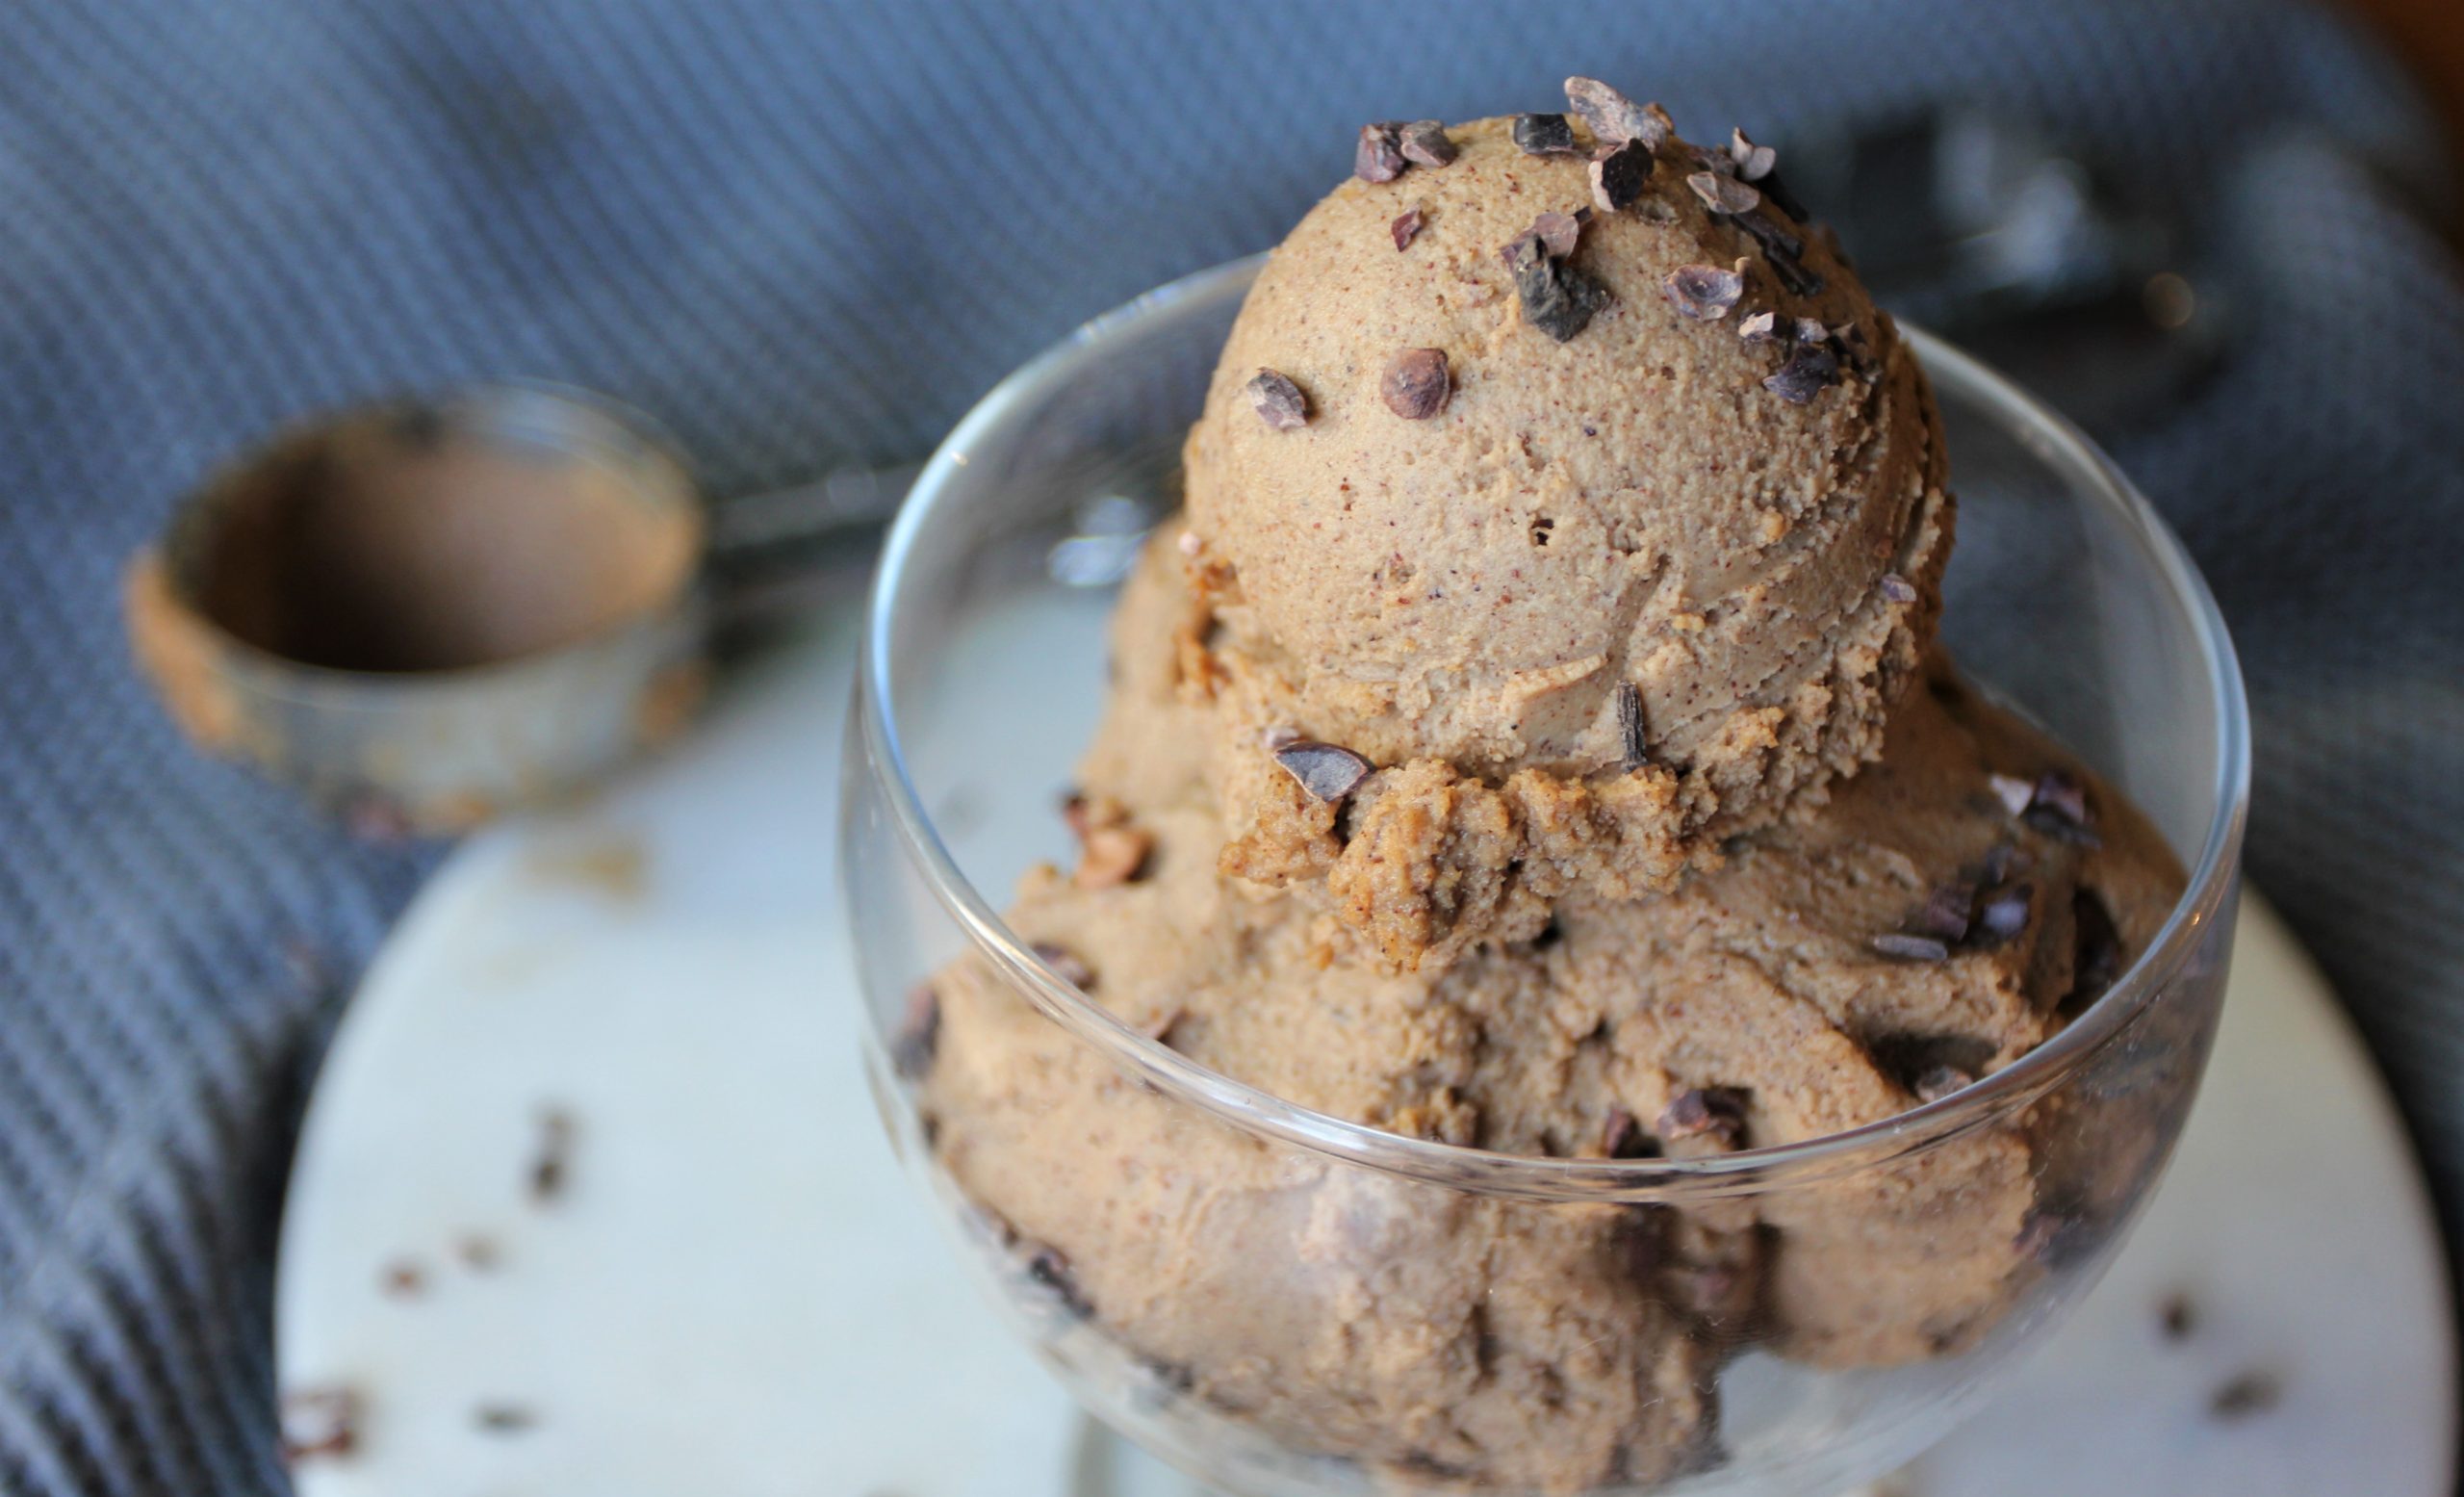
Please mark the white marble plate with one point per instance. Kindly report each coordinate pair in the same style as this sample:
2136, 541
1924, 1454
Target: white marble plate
735, 1293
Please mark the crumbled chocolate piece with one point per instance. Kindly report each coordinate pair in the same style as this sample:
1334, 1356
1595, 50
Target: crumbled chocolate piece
1615, 119
1048, 1268
1941, 1081
1544, 134
1753, 163
2058, 806
1724, 195
1065, 963
1622, 1136
1897, 589
2251, 1393
502, 1418
2177, 1317
1761, 328
1807, 373
1380, 155
1631, 741
1704, 292
1327, 771
1280, 404
1559, 233
552, 1164
919, 1033
1618, 177
1903, 946
1944, 916
2003, 915
1425, 143
1406, 226
404, 1279
1712, 1119
1112, 855
319, 1422
2013, 792
1417, 383
1556, 298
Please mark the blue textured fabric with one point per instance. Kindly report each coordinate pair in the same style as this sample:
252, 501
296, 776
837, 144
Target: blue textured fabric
805, 234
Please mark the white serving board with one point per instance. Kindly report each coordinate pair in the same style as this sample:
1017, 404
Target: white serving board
737, 1292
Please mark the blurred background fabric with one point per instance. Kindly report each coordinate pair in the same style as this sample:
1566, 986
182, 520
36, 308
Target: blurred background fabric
807, 234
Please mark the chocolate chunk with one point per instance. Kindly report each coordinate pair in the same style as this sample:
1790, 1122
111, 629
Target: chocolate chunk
2003, 915
919, 1033
1380, 155
1761, 328
498, 1418
1417, 383
1941, 1081
1724, 195
1544, 134
318, 1422
1710, 1117
1807, 373
1753, 163
1897, 589
1326, 771
552, 1162
1556, 298
2251, 1393
2013, 792
1407, 227
2177, 1317
1629, 727
1048, 1269
1944, 916
1559, 233
1704, 292
2058, 806
1065, 963
1112, 855
1425, 143
1619, 177
1615, 119
1280, 404
1902, 946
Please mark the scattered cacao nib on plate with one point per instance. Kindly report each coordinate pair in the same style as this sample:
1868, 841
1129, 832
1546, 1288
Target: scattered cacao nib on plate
1620, 176
2177, 1316
1327, 771
1724, 195
1753, 163
1904, 947
1630, 740
1897, 589
1704, 293
2251, 1393
404, 1279
1048, 1268
1065, 963
1110, 856
503, 1418
1280, 404
1615, 119
477, 1252
1417, 383
1707, 1118
1425, 143
919, 1033
320, 1423
1380, 155
1807, 373
1557, 299
1544, 134
552, 1162
1406, 226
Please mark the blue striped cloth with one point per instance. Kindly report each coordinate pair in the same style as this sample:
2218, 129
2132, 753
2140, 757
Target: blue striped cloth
805, 234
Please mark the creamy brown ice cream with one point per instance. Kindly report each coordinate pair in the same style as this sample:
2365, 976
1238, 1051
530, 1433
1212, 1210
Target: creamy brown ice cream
1559, 765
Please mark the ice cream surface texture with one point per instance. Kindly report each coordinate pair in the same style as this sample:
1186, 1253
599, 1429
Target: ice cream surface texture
1532, 739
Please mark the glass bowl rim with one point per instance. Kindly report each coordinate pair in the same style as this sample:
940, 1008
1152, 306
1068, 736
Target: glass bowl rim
2047, 435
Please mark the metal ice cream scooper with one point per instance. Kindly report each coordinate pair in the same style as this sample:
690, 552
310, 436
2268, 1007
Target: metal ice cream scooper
424, 612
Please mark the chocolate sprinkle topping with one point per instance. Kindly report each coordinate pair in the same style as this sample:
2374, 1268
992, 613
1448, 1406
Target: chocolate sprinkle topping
1619, 176
2003, 915
1761, 328
1065, 963
1425, 143
1380, 155
1715, 1115
1899, 946
1559, 233
1326, 771
1897, 589
1615, 119
1753, 162
1407, 227
1556, 298
1544, 134
1704, 292
1629, 726
1417, 383
1280, 404
1808, 372
1724, 195
919, 1033
2013, 792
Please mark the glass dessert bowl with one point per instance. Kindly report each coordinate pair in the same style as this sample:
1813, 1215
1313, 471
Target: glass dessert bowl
1291, 1302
